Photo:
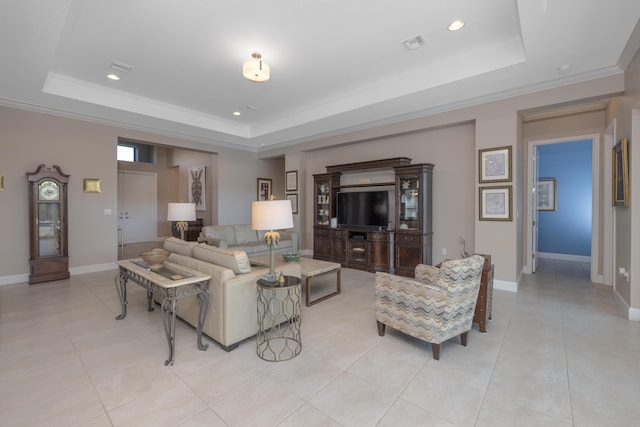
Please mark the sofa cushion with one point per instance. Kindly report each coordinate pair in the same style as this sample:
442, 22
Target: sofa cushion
178, 246
222, 232
244, 234
236, 260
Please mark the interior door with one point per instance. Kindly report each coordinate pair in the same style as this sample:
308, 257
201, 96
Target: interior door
137, 206
534, 211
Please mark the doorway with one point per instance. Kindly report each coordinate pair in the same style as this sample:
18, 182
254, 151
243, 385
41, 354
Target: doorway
136, 206
532, 220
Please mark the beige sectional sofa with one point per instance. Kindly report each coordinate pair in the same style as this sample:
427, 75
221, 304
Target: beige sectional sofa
232, 315
242, 237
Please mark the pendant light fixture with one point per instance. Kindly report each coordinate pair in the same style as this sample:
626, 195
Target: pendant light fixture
255, 69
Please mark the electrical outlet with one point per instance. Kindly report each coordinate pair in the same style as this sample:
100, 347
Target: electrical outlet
107, 211
444, 251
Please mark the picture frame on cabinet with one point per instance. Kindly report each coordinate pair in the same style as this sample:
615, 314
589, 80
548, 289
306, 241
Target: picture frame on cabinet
494, 164
495, 203
620, 170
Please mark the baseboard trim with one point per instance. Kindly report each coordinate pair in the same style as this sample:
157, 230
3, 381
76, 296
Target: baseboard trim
12, 280
563, 257
504, 285
632, 313
93, 268
24, 278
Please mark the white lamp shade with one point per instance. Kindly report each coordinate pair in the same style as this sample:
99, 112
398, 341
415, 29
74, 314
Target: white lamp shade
256, 70
271, 215
181, 212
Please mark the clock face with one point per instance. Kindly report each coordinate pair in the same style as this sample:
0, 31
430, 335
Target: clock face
49, 190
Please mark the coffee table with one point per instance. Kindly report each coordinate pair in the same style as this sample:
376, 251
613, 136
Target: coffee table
309, 269
170, 283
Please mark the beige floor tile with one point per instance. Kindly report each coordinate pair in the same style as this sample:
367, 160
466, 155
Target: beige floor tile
262, 403
403, 413
308, 416
168, 405
559, 352
352, 401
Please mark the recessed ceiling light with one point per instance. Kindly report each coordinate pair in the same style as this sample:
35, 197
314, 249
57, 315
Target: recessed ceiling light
236, 113
456, 25
113, 76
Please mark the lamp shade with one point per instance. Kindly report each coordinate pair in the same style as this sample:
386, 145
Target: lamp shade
181, 212
255, 69
271, 215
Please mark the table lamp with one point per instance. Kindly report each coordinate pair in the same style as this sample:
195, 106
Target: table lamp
181, 212
271, 215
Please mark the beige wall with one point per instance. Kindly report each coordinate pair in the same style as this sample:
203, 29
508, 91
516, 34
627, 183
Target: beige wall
626, 111
88, 150
494, 124
449, 140
452, 152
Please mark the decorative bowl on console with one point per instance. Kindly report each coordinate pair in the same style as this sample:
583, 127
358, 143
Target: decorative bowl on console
155, 258
291, 257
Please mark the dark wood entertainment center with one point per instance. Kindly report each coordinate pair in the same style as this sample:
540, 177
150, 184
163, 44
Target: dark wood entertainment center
398, 249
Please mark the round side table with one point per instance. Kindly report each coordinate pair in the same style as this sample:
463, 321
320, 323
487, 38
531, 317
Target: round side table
279, 319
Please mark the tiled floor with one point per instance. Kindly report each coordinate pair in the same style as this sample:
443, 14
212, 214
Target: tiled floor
558, 353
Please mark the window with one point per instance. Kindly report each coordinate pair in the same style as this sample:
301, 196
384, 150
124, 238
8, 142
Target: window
126, 153
131, 151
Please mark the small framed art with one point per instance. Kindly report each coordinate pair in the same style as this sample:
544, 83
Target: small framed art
621, 173
495, 203
91, 185
294, 202
292, 180
494, 164
264, 189
197, 187
547, 195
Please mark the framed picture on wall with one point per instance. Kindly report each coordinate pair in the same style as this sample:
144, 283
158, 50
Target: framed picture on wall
197, 189
620, 176
264, 189
495, 203
546, 192
294, 202
292, 180
494, 164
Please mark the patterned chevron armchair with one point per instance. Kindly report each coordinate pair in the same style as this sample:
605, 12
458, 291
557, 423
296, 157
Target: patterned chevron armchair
435, 306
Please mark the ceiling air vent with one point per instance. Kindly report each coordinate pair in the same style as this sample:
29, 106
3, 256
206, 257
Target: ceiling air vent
413, 43
121, 66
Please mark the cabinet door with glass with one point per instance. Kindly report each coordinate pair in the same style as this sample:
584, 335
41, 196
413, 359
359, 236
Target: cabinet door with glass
413, 217
322, 200
48, 248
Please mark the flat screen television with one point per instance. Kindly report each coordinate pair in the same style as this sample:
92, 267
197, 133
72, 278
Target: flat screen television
363, 209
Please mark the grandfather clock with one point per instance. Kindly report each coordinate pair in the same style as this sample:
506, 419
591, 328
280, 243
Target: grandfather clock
48, 242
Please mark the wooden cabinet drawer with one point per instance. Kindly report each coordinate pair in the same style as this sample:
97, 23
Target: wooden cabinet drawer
408, 238
322, 232
378, 237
